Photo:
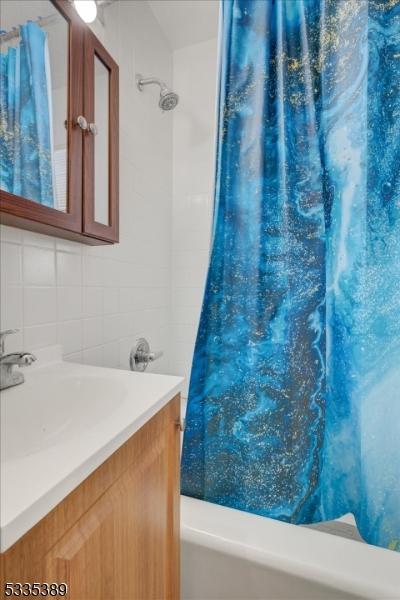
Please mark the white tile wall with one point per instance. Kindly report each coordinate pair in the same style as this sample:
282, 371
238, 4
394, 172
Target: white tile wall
193, 185
96, 301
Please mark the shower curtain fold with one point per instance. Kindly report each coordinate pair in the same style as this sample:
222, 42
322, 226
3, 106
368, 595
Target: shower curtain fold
294, 402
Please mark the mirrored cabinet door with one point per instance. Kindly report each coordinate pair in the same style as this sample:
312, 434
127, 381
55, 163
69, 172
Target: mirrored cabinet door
41, 96
100, 216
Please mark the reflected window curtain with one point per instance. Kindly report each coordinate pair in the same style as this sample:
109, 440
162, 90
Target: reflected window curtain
25, 107
294, 402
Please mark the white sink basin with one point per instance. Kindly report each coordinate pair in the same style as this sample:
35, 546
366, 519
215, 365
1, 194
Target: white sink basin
67, 407
59, 426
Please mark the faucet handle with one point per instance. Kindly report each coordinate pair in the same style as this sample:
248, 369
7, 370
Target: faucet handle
140, 355
3, 335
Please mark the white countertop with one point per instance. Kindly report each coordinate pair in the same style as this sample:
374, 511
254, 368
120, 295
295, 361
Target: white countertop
59, 426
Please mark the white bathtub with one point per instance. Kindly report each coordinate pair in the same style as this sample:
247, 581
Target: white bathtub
232, 555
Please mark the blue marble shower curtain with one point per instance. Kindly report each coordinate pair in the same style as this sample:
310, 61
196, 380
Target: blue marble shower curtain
294, 404
25, 117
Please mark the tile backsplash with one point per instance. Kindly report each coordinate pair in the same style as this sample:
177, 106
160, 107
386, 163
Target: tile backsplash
95, 307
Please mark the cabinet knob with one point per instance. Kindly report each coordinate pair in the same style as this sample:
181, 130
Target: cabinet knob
93, 128
81, 122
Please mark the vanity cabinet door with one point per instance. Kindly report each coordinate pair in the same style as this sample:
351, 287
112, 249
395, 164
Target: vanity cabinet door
126, 546
100, 187
84, 557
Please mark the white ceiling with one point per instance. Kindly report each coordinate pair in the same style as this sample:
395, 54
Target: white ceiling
186, 22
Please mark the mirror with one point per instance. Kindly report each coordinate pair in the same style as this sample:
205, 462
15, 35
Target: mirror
101, 163
34, 73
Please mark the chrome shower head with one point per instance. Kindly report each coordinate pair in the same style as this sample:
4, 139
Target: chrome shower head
168, 98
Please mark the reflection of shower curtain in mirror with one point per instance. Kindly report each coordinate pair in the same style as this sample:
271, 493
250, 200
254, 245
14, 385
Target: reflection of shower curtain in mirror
25, 117
294, 403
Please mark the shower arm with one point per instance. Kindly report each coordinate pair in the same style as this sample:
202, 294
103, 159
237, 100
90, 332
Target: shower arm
141, 82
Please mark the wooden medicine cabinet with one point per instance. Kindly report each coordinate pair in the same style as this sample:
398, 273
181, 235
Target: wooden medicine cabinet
59, 124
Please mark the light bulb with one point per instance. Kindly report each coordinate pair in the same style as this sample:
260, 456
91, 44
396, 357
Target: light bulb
86, 9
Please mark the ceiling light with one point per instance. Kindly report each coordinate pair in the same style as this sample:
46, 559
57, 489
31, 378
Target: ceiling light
86, 9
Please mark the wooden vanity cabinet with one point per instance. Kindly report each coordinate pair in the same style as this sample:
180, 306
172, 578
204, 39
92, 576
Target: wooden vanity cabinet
116, 536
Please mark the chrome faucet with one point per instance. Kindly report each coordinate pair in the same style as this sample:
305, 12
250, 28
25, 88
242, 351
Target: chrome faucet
8, 375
